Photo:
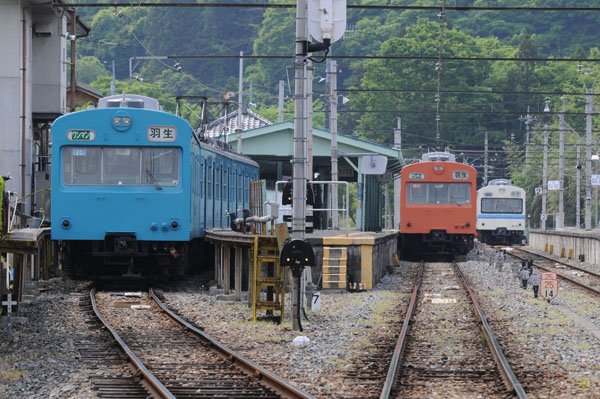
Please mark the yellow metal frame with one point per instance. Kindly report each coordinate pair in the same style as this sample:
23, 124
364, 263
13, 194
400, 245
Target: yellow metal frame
266, 250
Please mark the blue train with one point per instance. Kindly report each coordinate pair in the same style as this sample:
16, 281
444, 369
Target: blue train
134, 189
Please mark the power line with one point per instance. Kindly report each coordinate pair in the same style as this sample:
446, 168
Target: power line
390, 57
349, 6
459, 112
548, 93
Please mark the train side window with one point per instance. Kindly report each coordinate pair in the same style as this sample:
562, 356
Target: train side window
209, 182
217, 182
239, 186
160, 164
81, 166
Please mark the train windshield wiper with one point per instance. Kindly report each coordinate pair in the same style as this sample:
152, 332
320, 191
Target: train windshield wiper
158, 186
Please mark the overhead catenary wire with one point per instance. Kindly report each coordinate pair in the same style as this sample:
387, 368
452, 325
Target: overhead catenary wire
349, 6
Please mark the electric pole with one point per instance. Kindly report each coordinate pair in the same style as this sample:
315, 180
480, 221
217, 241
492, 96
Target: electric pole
485, 162
240, 104
281, 95
333, 103
397, 183
588, 159
578, 189
560, 220
544, 178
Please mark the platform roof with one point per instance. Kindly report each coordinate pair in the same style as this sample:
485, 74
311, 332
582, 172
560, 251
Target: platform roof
276, 142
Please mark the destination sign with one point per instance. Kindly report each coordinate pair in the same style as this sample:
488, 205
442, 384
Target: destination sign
81, 135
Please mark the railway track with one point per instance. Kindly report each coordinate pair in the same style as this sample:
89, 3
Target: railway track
442, 348
174, 359
581, 277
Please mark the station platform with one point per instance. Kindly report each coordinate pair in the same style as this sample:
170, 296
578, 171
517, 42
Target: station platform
578, 244
342, 257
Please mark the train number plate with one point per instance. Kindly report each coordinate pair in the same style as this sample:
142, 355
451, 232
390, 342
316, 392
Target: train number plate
162, 134
416, 176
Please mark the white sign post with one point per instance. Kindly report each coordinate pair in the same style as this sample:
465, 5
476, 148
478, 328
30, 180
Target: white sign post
549, 285
553, 184
9, 303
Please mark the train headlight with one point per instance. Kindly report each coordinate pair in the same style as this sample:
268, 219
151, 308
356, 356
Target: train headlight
66, 223
174, 225
121, 121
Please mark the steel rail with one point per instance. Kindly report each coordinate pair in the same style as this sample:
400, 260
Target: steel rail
156, 385
510, 380
569, 279
401, 344
271, 380
581, 269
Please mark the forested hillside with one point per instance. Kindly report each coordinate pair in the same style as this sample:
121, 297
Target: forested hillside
476, 95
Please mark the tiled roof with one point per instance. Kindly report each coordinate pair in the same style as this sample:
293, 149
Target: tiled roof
228, 123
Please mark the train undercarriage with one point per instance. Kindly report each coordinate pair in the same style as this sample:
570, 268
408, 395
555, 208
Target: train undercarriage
436, 243
501, 236
121, 256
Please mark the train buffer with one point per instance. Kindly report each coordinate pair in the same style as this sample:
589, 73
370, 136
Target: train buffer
267, 274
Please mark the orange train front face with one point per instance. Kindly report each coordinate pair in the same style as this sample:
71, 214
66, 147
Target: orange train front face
438, 210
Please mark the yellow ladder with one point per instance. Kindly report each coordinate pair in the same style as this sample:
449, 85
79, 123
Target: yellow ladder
266, 250
335, 261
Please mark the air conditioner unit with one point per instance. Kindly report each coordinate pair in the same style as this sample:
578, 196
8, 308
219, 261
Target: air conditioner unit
42, 29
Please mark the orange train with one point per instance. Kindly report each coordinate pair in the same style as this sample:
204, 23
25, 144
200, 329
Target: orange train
438, 211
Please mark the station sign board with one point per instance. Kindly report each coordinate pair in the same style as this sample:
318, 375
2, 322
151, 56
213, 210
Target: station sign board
549, 285
553, 184
595, 180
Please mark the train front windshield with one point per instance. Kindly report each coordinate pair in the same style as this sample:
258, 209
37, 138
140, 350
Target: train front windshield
502, 205
121, 166
438, 193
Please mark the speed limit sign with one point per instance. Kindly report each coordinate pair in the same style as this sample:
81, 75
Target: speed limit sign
548, 285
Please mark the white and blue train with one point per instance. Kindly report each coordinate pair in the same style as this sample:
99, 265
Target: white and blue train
134, 189
501, 213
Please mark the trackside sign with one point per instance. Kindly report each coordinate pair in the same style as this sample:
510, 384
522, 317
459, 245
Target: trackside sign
549, 285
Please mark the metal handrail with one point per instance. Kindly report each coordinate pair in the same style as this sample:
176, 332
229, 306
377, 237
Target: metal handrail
345, 210
11, 218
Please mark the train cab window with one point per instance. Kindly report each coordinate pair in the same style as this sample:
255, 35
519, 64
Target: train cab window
416, 193
160, 166
121, 165
459, 193
438, 193
502, 205
81, 166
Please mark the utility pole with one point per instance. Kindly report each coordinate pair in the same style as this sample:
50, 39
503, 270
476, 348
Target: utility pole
485, 162
240, 104
527, 120
545, 178
333, 103
588, 159
578, 190
397, 183
596, 190
299, 159
281, 94
560, 220
309, 111
73, 58
114, 79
